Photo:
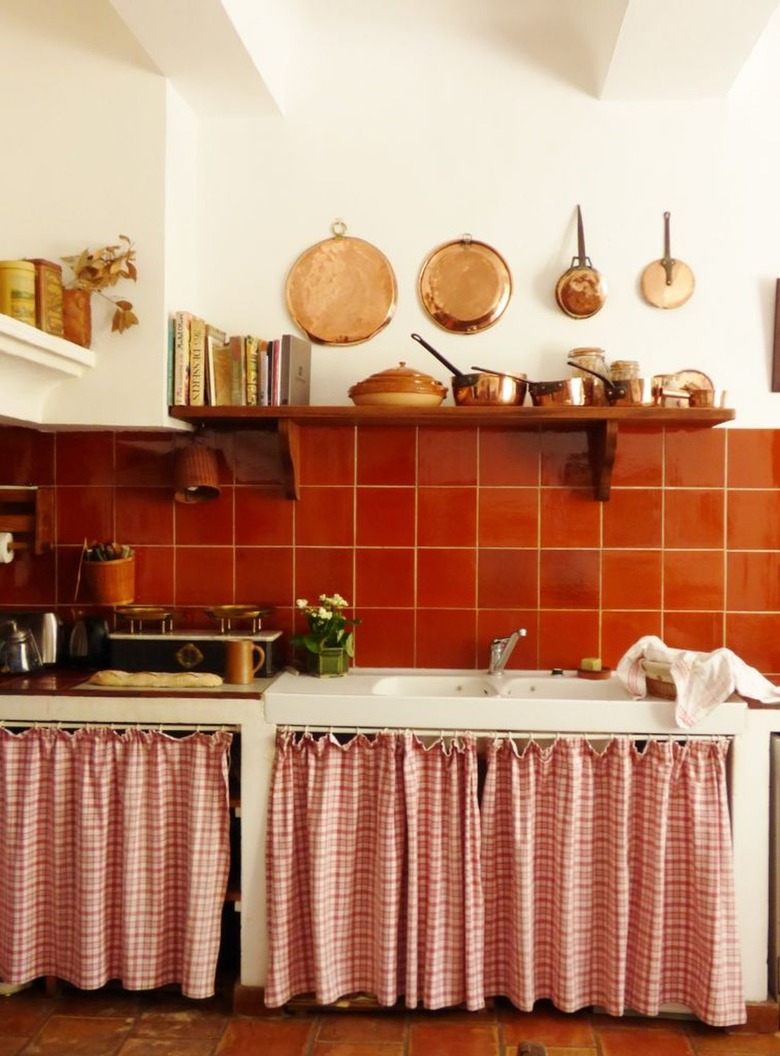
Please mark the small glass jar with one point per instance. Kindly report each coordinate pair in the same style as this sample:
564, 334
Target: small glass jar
590, 359
624, 370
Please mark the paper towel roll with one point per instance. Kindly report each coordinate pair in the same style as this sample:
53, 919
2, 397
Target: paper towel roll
6, 548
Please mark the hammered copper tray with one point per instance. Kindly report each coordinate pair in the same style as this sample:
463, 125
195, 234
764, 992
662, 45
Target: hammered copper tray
341, 291
465, 285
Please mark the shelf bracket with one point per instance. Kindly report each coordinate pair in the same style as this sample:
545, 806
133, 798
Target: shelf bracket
602, 446
290, 451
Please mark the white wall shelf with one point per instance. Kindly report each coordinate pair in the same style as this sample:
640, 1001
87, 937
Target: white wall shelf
32, 363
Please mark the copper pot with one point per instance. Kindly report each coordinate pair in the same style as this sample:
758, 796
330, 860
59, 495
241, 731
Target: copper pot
482, 388
568, 392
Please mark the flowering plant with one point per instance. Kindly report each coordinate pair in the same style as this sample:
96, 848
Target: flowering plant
329, 627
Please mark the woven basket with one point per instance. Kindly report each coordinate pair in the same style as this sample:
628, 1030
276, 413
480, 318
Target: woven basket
658, 679
657, 688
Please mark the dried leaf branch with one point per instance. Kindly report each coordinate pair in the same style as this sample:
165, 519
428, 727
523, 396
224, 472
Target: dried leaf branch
101, 269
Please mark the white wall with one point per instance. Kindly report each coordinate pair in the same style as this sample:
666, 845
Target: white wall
414, 131
84, 160
415, 140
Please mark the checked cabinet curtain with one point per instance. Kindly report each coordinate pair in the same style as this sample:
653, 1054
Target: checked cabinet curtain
580, 873
115, 856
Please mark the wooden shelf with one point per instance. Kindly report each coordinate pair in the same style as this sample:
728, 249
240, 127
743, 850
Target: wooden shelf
28, 512
600, 423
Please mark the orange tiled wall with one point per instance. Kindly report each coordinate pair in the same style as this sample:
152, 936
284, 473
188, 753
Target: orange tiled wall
442, 538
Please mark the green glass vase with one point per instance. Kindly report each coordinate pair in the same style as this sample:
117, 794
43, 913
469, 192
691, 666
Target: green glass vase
330, 662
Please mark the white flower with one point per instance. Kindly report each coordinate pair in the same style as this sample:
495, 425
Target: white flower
301, 603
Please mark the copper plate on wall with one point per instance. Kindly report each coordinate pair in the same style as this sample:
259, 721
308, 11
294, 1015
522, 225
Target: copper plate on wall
341, 291
465, 285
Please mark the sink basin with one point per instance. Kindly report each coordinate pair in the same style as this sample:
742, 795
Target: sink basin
436, 685
530, 701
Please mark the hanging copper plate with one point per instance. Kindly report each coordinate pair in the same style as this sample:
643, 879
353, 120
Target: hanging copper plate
341, 291
465, 285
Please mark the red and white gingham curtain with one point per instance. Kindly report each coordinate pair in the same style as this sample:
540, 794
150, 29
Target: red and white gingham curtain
373, 868
608, 877
115, 856
585, 876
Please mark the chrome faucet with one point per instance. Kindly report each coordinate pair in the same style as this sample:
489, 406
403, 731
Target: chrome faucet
501, 650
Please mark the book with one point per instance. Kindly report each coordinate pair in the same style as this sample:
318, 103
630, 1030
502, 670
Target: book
250, 367
262, 372
197, 395
237, 371
223, 387
214, 338
294, 370
181, 357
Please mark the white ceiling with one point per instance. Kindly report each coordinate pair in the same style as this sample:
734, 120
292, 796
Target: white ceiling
228, 57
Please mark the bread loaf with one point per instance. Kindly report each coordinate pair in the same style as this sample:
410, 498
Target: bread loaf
156, 679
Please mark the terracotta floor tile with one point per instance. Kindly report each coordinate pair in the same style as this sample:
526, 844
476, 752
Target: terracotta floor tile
80, 1036
431, 1037
549, 1027
11, 1046
358, 1048
183, 1023
269, 1037
716, 1042
384, 1027
23, 1014
639, 1041
576, 1050
166, 1047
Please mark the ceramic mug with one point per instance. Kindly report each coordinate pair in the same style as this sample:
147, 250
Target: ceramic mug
240, 656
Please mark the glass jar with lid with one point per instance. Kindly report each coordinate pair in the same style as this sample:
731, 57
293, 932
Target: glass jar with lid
623, 369
584, 362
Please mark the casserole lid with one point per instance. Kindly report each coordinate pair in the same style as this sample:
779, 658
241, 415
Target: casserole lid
399, 379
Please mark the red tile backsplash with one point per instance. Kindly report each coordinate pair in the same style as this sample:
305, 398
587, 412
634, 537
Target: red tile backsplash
442, 538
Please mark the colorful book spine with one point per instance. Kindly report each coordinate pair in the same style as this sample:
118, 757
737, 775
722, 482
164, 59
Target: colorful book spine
250, 368
197, 395
181, 357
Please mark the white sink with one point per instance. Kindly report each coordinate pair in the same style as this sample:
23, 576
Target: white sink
532, 701
436, 685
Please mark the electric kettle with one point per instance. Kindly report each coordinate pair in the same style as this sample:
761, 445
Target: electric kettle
18, 649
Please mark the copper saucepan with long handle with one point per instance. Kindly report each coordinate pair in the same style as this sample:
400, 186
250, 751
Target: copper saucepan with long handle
482, 388
581, 291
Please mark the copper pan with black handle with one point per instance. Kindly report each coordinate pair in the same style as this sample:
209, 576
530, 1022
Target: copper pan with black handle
581, 291
667, 283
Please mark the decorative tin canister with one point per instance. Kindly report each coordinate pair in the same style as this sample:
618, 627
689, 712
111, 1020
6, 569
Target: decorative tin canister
17, 290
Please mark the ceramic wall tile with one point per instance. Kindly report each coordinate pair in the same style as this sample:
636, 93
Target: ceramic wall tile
753, 458
385, 638
569, 579
639, 457
446, 516
446, 578
387, 456
385, 577
446, 456
695, 458
263, 517
569, 518
385, 516
566, 636
753, 520
146, 515
85, 457
508, 579
508, 457
694, 518
446, 638
324, 517
633, 518
264, 575
324, 570
508, 517
327, 454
